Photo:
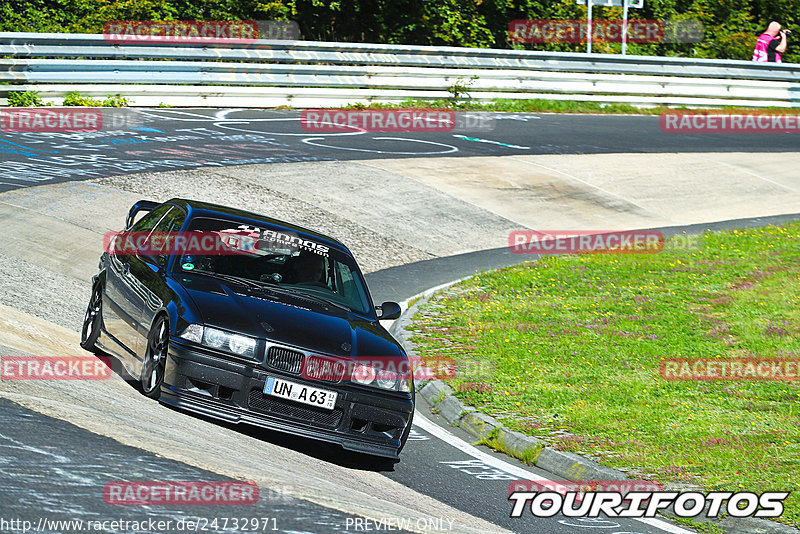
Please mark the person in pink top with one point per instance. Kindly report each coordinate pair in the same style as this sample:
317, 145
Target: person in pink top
769, 46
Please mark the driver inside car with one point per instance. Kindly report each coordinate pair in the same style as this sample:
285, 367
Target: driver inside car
308, 268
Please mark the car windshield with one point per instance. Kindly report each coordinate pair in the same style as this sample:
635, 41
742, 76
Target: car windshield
274, 258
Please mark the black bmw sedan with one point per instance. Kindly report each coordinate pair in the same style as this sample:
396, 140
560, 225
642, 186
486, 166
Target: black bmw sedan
247, 319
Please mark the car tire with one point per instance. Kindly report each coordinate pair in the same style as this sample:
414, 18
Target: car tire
406, 432
92, 320
384, 464
155, 358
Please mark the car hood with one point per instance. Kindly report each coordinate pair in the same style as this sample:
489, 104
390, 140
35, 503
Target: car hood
288, 320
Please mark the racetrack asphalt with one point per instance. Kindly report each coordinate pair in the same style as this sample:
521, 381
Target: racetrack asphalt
147, 140
55, 472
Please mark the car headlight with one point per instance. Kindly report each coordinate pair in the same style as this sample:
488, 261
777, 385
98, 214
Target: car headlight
216, 339
363, 374
367, 375
246, 346
386, 379
221, 340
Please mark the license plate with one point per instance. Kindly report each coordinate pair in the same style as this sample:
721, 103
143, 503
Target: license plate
323, 398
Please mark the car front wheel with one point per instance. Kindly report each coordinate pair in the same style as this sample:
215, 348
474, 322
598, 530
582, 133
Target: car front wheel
155, 359
92, 320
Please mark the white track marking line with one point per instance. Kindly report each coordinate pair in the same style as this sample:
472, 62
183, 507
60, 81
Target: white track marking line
751, 173
489, 141
663, 525
223, 113
435, 430
607, 192
450, 147
224, 125
195, 117
168, 114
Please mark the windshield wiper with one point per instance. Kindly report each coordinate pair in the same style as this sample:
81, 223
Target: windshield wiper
231, 278
303, 294
270, 288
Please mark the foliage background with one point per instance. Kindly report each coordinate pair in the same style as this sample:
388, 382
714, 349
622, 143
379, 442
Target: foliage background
731, 25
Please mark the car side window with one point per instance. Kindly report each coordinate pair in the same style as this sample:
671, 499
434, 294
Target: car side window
146, 224
172, 221
348, 285
149, 221
347, 280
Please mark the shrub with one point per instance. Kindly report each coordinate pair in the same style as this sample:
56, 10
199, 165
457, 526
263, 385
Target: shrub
74, 98
115, 101
735, 45
24, 99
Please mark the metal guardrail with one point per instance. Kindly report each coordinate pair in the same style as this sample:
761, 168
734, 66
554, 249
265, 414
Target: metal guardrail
336, 73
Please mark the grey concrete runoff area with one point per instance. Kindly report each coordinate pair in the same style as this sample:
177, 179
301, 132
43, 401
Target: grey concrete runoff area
410, 223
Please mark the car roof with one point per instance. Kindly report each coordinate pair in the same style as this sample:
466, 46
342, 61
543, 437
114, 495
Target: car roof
195, 208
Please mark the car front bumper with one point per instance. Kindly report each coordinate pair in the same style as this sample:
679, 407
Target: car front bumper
208, 383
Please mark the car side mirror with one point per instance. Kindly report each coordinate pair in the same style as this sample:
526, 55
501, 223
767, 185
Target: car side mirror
389, 311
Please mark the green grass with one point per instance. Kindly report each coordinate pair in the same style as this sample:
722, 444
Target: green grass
705, 528
492, 440
540, 105
575, 343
